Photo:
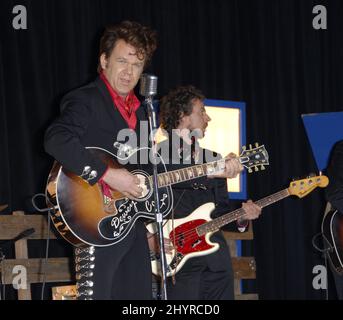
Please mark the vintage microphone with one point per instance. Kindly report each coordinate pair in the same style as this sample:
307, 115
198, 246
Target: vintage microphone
148, 86
148, 89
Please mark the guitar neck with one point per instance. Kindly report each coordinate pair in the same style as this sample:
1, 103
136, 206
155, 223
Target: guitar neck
227, 218
193, 172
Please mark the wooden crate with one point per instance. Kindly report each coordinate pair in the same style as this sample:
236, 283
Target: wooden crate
59, 269
54, 269
243, 267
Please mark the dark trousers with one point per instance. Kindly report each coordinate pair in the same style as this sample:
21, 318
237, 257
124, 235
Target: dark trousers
338, 283
123, 271
196, 281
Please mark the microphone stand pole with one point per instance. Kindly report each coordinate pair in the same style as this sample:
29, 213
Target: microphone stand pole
158, 215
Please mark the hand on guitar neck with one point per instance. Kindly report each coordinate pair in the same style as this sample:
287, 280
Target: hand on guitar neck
252, 211
232, 167
124, 182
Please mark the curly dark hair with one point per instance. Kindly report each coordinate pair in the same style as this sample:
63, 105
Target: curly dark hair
140, 37
176, 104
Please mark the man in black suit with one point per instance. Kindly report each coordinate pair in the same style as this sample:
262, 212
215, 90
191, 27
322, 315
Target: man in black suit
334, 194
183, 116
94, 115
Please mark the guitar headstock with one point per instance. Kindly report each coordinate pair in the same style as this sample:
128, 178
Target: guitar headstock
256, 158
302, 188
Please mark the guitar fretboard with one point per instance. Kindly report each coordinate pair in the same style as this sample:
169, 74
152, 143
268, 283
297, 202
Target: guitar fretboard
189, 173
249, 158
217, 223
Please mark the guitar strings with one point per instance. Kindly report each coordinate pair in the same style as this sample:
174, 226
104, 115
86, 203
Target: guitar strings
191, 234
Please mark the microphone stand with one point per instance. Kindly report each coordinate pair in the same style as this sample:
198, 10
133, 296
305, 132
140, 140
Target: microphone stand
158, 215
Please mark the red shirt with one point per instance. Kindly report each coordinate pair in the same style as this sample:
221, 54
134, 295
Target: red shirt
127, 107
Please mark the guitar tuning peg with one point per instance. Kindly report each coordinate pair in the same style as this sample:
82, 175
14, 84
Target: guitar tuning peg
250, 170
263, 167
256, 168
311, 175
250, 146
244, 148
256, 144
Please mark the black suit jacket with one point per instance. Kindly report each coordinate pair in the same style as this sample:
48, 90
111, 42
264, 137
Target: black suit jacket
88, 119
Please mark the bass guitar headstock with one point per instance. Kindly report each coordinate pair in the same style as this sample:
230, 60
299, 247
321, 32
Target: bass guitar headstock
303, 187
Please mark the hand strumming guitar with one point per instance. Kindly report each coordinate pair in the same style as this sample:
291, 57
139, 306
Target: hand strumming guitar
123, 181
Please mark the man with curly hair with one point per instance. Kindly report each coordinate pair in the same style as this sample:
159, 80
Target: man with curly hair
93, 115
184, 118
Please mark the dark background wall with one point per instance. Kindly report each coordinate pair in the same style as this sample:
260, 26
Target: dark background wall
263, 52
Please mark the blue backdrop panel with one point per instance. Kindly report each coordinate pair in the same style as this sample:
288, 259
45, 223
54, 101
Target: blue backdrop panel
323, 131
